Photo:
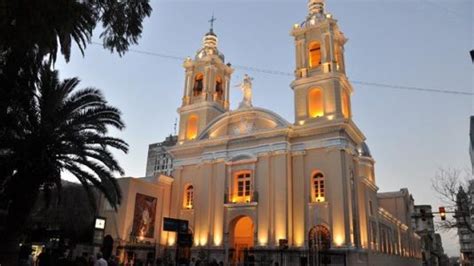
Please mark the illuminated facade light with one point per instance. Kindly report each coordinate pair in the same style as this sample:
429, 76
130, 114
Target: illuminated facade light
338, 240
203, 241
171, 239
217, 240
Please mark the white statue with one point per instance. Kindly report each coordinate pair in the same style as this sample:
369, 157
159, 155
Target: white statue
246, 87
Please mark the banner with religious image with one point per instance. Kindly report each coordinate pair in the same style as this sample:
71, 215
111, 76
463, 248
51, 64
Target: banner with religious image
144, 216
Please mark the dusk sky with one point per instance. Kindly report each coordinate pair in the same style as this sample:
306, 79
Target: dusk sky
418, 43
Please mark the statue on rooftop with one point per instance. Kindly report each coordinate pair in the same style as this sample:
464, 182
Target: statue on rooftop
246, 87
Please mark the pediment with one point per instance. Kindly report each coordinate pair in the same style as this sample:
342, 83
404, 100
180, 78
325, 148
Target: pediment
243, 122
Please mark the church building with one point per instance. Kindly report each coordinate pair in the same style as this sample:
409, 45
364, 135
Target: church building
253, 185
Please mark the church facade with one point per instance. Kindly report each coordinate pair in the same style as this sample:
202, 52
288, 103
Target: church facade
248, 181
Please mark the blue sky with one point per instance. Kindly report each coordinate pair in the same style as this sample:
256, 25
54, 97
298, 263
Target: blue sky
421, 43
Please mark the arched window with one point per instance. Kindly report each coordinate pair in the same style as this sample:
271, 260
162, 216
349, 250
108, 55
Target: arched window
314, 54
198, 84
318, 187
345, 104
188, 197
192, 127
315, 103
219, 88
242, 187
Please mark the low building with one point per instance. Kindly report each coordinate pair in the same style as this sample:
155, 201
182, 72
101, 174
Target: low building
135, 229
159, 161
431, 243
399, 206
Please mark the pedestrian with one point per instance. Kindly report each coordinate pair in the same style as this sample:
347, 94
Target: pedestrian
113, 261
44, 258
100, 260
82, 260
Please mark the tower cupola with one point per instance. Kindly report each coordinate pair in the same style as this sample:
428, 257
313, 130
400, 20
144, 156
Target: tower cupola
322, 90
206, 88
316, 8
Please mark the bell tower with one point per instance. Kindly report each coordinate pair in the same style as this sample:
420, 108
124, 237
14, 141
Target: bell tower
206, 89
321, 88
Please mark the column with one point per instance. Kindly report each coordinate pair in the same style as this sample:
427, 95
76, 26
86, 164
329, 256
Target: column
227, 88
299, 199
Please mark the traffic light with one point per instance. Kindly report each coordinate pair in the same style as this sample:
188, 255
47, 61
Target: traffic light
442, 213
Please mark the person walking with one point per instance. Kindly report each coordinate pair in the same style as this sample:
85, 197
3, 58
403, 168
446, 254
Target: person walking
100, 260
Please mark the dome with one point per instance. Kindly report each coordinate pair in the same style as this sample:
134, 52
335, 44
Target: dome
209, 47
205, 51
364, 150
211, 33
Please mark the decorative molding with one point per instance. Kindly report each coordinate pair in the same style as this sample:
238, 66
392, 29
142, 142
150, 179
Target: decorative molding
298, 153
336, 143
369, 183
245, 161
196, 106
279, 152
165, 179
249, 205
227, 155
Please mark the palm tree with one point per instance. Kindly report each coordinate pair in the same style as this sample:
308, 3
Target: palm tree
60, 130
47, 27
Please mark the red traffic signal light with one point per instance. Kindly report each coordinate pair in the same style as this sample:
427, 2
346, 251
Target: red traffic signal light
442, 213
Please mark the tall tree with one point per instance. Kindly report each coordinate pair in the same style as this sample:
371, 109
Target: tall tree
43, 27
62, 130
33, 32
450, 187
45, 128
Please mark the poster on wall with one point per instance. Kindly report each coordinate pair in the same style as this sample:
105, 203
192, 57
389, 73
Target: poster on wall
144, 216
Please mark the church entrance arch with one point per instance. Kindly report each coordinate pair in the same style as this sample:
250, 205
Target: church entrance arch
241, 237
319, 242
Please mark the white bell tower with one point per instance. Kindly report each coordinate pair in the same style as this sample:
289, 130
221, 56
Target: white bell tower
206, 89
321, 88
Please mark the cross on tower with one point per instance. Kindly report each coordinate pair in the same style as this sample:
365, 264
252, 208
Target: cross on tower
212, 22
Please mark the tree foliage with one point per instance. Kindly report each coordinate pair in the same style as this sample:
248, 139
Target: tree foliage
63, 130
71, 220
32, 33
451, 189
45, 126
48, 27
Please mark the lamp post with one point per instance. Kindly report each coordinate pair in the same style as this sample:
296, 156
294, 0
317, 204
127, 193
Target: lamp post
98, 235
